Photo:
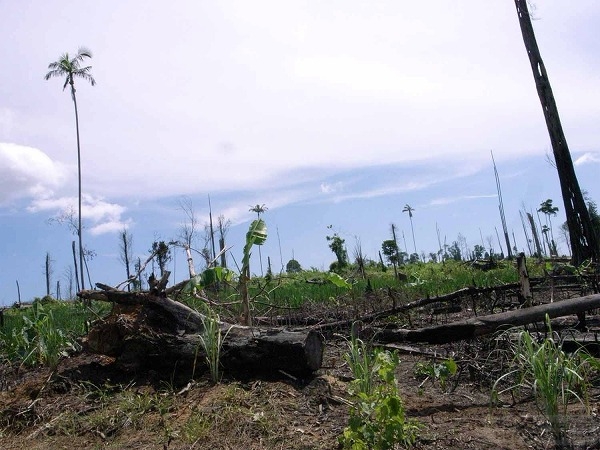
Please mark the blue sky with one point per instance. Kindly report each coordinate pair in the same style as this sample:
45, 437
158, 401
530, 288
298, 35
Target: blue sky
329, 113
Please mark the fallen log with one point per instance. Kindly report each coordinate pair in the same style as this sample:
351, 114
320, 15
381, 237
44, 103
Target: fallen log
146, 331
480, 326
422, 302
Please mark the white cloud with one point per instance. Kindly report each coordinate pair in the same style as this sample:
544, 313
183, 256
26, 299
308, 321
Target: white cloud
448, 200
113, 226
27, 172
587, 158
330, 188
102, 216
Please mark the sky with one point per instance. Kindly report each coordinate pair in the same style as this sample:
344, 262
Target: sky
334, 114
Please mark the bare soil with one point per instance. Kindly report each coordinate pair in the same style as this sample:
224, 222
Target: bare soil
88, 402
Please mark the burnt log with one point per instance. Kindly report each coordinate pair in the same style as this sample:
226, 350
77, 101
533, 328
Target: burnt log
146, 331
483, 325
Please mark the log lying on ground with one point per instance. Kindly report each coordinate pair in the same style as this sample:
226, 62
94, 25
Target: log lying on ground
480, 326
146, 331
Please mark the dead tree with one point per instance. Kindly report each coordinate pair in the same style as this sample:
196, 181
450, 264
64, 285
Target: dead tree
584, 243
483, 325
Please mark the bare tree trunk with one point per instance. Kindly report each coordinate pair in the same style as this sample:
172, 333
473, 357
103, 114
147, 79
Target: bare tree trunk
79, 227
75, 266
126, 241
397, 253
212, 231
525, 297
18, 292
48, 269
536, 239
584, 244
501, 209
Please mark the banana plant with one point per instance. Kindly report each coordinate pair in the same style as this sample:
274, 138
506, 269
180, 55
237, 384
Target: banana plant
256, 235
207, 278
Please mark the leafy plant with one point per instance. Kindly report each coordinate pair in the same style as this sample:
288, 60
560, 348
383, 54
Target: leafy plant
39, 340
337, 280
436, 371
555, 377
211, 341
362, 364
377, 418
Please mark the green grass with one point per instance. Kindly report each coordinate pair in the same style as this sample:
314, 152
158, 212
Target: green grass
38, 335
45, 331
554, 377
420, 280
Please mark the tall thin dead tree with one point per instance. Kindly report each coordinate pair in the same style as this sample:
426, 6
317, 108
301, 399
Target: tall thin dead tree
48, 273
536, 239
212, 231
223, 225
584, 243
528, 241
501, 209
126, 243
187, 233
75, 265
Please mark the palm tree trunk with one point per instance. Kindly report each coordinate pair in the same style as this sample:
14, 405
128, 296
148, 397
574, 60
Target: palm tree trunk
79, 229
412, 229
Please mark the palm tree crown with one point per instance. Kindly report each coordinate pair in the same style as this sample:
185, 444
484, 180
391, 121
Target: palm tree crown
258, 209
409, 209
70, 68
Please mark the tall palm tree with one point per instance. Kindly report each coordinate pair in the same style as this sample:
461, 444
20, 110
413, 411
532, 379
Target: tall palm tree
409, 209
70, 68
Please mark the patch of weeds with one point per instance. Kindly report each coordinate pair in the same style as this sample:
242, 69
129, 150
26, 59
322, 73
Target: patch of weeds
433, 371
135, 405
97, 394
39, 339
554, 377
233, 411
197, 428
377, 418
110, 413
211, 341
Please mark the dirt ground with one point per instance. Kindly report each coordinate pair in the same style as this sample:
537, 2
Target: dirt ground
89, 403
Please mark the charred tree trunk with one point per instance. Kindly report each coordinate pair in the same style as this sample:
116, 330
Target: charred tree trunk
536, 239
146, 331
525, 297
483, 325
584, 244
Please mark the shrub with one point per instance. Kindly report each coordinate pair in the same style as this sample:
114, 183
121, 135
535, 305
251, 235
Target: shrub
377, 418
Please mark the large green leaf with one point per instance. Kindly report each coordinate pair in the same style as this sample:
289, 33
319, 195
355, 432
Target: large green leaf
208, 277
257, 233
337, 280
